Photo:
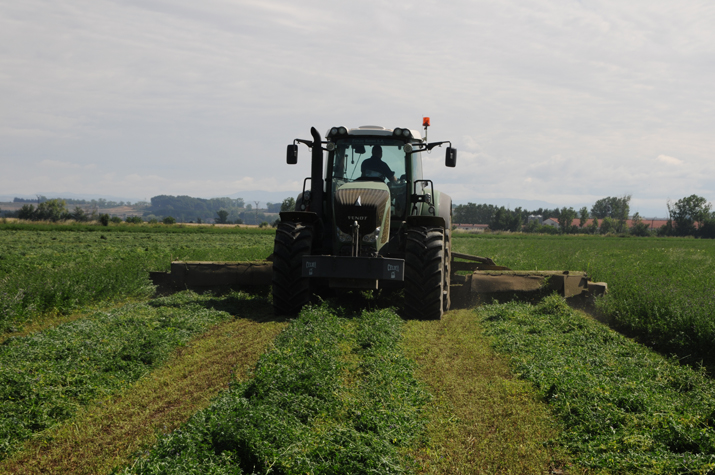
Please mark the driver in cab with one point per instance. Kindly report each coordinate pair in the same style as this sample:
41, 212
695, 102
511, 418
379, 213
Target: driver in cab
374, 167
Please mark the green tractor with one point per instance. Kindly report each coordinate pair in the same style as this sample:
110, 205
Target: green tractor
373, 222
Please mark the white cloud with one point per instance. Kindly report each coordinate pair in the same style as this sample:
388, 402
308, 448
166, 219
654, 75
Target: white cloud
669, 160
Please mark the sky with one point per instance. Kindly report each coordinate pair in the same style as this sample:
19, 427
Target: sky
564, 102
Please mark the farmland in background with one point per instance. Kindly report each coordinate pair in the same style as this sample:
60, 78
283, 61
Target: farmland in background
55, 268
661, 290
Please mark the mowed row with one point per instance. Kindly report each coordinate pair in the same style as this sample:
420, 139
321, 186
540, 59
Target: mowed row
481, 418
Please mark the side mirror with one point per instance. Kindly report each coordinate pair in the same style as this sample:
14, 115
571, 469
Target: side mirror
292, 154
450, 158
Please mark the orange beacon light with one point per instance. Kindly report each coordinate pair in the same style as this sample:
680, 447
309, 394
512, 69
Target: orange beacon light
425, 122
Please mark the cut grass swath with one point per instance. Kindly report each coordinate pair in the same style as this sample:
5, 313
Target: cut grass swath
625, 409
334, 396
111, 430
47, 376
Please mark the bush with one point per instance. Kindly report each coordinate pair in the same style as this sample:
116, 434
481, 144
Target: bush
115, 219
134, 219
104, 219
169, 220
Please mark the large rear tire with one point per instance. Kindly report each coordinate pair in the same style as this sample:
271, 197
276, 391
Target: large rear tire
291, 291
425, 273
447, 277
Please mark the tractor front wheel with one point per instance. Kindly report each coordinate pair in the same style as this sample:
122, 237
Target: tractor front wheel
425, 273
291, 291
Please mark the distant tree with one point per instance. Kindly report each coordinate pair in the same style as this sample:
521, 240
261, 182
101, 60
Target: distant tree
593, 227
473, 213
222, 216
707, 228
609, 225
288, 204
666, 229
52, 210
134, 219
273, 207
582, 217
153, 221
612, 207
638, 227
27, 212
169, 220
115, 219
79, 214
506, 220
688, 211
104, 219
566, 217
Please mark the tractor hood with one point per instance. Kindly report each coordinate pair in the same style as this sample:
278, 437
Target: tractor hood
368, 203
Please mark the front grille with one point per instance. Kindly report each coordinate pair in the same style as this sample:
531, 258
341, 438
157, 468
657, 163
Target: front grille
368, 213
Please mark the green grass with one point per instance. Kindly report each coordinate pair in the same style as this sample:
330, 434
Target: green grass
660, 289
47, 376
134, 228
335, 395
625, 408
51, 270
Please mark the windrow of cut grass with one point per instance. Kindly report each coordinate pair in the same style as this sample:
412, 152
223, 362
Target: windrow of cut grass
661, 290
109, 431
47, 376
50, 270
625, 409
335, 395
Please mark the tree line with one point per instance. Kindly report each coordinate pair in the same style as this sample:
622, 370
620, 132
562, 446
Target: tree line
99, 203
688, 216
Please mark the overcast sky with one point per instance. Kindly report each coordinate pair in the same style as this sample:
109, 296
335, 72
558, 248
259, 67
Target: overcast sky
561, 101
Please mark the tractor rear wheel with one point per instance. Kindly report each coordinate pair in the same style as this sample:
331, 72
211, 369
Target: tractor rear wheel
425, 273
291, 291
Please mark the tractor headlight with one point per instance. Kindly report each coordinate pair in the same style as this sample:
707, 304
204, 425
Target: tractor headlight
372, 237
344, 237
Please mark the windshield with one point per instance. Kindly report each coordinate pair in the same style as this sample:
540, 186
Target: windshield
372, 159
361, 159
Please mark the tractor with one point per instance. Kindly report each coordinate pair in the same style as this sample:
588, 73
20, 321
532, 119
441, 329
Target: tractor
372, 222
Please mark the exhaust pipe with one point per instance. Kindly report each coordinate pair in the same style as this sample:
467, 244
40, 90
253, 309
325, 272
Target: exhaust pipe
316, 175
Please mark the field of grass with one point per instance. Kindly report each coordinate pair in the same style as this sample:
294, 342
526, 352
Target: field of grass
59, 269
109, 431
661, 290
625, 409
335, 395
47, 376
338, 391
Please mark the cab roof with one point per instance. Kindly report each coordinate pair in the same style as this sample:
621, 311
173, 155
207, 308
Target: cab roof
377, 130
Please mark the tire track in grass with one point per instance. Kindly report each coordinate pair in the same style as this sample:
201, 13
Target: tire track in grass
483, 420
110, 432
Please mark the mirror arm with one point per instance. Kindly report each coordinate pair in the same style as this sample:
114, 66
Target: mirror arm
306, 142
432, 145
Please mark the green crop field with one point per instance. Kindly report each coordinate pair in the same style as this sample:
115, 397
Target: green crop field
660, 290
348, 386
47, 268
